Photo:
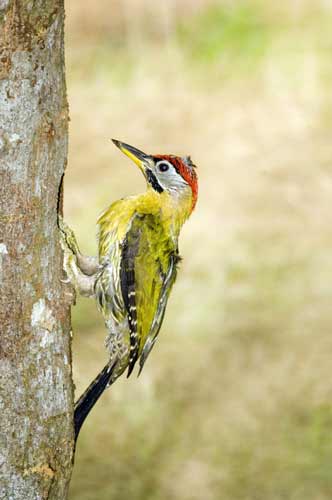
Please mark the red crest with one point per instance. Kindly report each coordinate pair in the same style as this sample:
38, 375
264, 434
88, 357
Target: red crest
185, 168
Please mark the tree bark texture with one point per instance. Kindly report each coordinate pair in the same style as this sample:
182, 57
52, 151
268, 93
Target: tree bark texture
36, 389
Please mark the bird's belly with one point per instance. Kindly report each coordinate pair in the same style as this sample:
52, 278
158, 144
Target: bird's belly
117, 341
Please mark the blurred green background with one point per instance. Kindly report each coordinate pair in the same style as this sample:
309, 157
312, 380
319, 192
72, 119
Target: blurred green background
235, 400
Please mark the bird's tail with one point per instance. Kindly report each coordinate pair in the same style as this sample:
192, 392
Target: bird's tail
90, 397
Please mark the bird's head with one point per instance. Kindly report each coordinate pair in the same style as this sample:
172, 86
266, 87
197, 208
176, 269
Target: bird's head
170, 173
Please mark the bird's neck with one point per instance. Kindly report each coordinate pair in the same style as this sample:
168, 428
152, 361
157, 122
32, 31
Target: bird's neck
174, 208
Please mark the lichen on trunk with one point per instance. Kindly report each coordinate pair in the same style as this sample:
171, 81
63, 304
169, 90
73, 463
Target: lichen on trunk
36, 389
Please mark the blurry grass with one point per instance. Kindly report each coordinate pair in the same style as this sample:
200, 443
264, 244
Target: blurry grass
235, 401
237, 33
100, 61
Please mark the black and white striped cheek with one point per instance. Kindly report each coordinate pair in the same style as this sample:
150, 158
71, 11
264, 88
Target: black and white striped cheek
152, 179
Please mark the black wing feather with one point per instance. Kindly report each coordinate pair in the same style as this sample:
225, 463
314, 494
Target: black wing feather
127, 276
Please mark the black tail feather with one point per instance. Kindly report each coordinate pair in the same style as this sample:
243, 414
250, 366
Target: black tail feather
90, 397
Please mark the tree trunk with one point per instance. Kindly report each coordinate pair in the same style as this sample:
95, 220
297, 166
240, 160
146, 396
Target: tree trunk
36, 389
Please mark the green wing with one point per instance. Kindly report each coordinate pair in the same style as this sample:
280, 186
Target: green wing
158, 319
148, 270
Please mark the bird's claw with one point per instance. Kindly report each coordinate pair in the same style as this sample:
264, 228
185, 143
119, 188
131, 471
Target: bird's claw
67, 237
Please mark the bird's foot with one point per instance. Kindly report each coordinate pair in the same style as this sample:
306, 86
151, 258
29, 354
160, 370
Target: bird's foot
68, 238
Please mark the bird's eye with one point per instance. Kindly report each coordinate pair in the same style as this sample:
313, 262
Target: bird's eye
163, 166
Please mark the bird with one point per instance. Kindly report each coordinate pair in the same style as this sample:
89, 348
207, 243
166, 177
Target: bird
137, 263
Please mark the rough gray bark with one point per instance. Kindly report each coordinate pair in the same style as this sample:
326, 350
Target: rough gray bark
36, 389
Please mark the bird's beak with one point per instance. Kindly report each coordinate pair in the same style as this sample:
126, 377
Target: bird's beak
140, 158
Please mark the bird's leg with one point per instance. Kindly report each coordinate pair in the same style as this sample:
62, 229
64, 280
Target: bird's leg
82, 283
88, 264
81, 270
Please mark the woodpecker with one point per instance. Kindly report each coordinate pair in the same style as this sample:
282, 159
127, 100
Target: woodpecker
133, 275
